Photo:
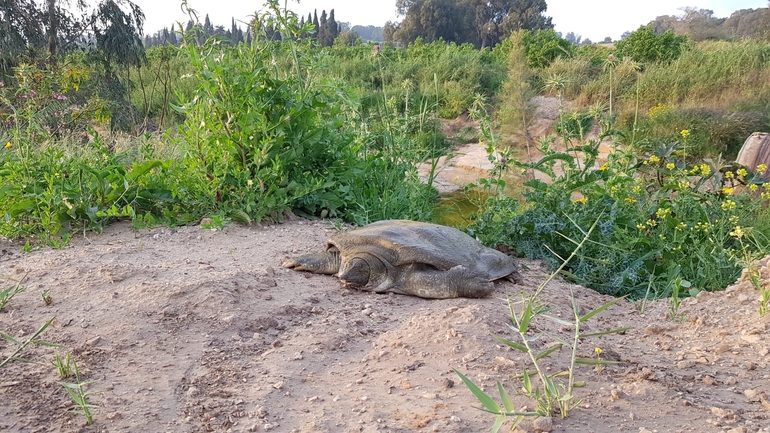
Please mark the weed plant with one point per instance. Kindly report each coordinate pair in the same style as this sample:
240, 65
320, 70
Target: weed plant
9, 293
79, 393
553, 396
21, 345
63, 365
265, 133
659, 218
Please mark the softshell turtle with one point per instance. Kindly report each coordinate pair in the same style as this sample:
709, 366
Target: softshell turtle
410, 258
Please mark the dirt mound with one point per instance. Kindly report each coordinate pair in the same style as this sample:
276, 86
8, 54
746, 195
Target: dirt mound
192, 330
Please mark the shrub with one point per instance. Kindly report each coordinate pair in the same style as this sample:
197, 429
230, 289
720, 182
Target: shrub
659, 219
644, 45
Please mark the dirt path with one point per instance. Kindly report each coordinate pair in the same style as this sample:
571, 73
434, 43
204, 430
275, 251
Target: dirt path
193, 330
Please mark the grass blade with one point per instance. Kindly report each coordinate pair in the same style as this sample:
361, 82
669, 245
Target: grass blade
510, 343
507, 402
548, 351
486, 401
602, 308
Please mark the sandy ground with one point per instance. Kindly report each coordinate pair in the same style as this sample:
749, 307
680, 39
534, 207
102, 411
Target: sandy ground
194, 330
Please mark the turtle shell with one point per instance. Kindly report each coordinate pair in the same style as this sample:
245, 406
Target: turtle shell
402, 242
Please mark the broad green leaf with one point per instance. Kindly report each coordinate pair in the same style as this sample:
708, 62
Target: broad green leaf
560, 321
489, 404
9, 338
548, 351
527, 381
602, 308
510, 343
526, 317
499, 420
507, 402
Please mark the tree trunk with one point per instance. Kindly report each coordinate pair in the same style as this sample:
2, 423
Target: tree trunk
52, 30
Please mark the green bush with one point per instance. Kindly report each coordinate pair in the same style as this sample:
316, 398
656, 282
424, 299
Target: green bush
644, 45
709, 132
657, 220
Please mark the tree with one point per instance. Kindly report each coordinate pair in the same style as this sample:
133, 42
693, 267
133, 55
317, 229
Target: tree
347, 38
644, 45
572, 37
323, 31
172, 36
27, 27
480, 22
207, 27
334, 28
118, 34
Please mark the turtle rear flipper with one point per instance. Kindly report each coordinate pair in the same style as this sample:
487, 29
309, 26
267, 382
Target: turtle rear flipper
458, 281
327, 262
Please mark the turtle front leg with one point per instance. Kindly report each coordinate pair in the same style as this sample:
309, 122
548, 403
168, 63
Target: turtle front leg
327, 262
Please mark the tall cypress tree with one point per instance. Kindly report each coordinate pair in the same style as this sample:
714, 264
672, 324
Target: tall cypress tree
323, 31
334, 27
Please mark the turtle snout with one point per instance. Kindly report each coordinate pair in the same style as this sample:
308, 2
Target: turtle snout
355, 273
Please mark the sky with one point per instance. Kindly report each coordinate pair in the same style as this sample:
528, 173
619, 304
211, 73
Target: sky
592, 19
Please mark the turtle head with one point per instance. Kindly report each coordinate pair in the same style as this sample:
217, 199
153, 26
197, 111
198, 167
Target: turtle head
355, 272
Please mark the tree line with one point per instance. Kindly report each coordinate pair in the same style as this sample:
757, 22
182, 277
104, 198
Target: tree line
32, 30
701, 24
483, 23
327, 29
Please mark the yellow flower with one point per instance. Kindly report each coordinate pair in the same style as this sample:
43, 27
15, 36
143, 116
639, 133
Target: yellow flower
765, 195
685, 133
598, 351
640, 226
684, 184
583, 200
7, 145
604, 166
737, 232
734, 219
249, 182
651, 223
728, 205
662, 213
742, 172
695, 169
637, 189
630, 200
705, 169
702, 227
670, 166
761, 168
654, 158
753, 187
681, 226
727, 191
729, 174
662, 237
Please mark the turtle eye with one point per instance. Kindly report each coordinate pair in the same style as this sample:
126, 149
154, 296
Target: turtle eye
355, 273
